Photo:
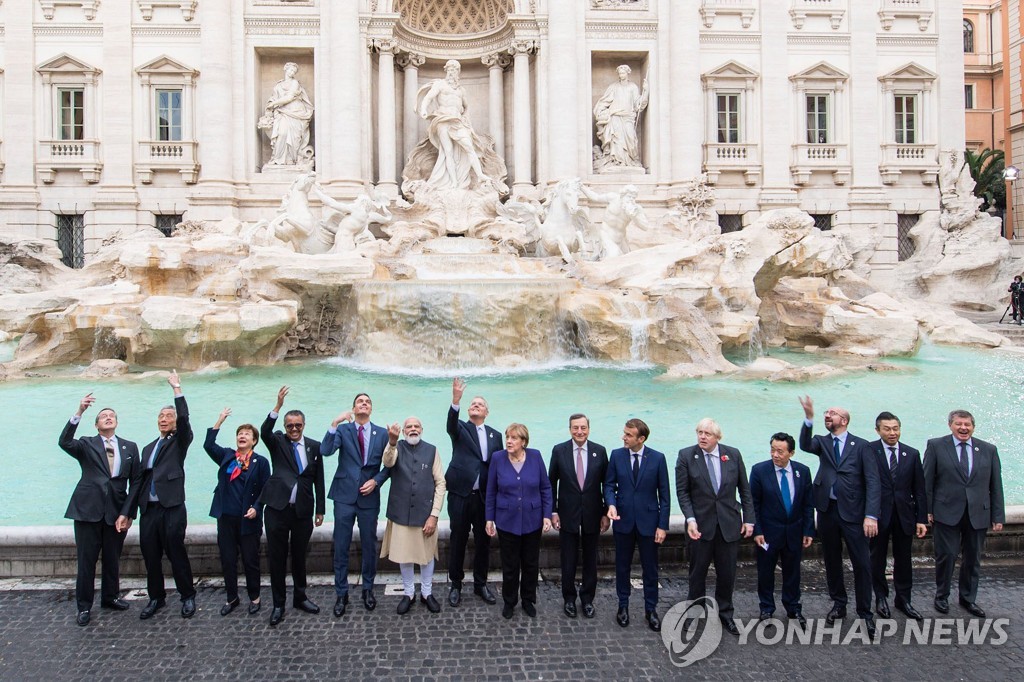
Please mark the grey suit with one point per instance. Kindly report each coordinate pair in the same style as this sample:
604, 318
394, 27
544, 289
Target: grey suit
963, 508
718, 519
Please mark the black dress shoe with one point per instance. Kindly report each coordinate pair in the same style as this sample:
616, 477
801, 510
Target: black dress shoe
432, 604
116, 605
972, 608
340, 605
276, 615
152, 607
622, 617
837, 613
869, 622
485, 593
83, 618
909, 611
229, 607
588, 611
882, 607
188, 607
506, 611
799, 617
254, 608
941, 605
307, 606
404, 605
530, 609
454, 596
729, 625
369, 601
765, 615
570, 609
653, 622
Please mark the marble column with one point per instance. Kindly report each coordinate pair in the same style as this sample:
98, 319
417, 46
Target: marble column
342, 162
775, 134
411, 64
496, 64
684, 79
522, 140
386, 116
564, 113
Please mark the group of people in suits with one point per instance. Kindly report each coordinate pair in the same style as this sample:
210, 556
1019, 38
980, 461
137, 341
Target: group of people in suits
867, 495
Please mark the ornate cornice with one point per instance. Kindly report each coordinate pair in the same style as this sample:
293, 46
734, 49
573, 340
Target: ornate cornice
723, 38
165, 31
78, 30
293, 26
818, 39
610, 28
908, 40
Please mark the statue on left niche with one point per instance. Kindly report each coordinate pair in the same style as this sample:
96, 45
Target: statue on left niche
286, 120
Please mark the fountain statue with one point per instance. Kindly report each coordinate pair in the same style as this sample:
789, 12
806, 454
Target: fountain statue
286, 120
617, 115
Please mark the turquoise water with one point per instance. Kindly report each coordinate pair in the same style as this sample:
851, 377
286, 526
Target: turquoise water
39, 477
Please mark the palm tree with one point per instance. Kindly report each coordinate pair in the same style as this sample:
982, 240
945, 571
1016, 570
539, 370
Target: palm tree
987, 170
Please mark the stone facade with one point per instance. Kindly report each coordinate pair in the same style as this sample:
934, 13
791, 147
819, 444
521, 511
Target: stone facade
118, 115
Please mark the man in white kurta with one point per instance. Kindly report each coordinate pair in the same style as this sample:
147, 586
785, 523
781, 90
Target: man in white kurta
414, 503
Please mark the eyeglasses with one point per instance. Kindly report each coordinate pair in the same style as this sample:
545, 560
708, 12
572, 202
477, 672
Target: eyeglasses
293, 427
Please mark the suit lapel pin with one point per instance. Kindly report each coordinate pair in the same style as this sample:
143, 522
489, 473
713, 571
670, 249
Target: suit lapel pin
796, 473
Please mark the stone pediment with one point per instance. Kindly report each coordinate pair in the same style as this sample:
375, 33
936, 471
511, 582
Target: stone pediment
909, 72
66, 64
822, 71
732, 71
166, 66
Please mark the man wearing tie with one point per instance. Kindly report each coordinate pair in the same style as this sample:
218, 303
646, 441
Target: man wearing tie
164, 518
904, 513
964, 489
356, 493
577, 471
709, 475
466, 480
637, 494
783, 526
294, 490
847, 494
102, 506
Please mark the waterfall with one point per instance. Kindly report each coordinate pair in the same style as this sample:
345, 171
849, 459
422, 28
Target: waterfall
755, 348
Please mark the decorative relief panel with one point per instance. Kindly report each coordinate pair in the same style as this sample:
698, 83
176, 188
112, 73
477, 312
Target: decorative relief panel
187, 7
621, 29
454, 17
89, 7
619, 4
268, 26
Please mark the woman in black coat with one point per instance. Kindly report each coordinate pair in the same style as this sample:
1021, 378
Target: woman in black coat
240, 479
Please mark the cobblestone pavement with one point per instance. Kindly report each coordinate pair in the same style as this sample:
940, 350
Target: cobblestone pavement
39, 639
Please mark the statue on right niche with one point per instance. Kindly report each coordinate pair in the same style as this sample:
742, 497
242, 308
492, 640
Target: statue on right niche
286, 121
617, 115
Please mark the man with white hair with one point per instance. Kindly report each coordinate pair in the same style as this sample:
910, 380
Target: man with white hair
709, 475
414, 504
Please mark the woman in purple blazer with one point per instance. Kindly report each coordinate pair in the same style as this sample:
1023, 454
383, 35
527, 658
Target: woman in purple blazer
518, 510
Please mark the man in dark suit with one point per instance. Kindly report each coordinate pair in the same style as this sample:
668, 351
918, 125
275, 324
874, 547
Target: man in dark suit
466, 478
847, 495
102, 506
709, 475
577, 471
964, 488
295, 489
904, 513
162, 501
783, 526
637, 494
356, 493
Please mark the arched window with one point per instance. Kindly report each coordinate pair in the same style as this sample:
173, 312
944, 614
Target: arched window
968, 36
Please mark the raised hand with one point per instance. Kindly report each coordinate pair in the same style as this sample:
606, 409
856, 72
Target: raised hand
224, 414
808, 406
343, 417
281, 393
394, 431
173, 380
458, 388
85, 403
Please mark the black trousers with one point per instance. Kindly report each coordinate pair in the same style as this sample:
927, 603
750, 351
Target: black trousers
231, 542
286, 533
625, 544
833, 532
520, 566
767, 560
162, 531
91, 539
950, 541
902, 572
569, 544
465, 513
723, 554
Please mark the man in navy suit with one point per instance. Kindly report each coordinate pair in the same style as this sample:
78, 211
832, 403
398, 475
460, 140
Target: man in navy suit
637, 494
102, 506
964, 489
904, 514
709, 477
847, 495
784, 525
466, 478
577, 471
356, 493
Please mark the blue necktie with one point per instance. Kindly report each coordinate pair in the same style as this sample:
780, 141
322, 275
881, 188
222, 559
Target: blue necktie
787, 500
298, 460
152, 465
835, 449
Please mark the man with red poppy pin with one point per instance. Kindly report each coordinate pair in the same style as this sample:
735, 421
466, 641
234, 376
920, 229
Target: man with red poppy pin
709, 475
